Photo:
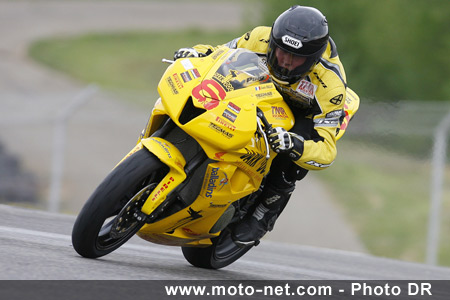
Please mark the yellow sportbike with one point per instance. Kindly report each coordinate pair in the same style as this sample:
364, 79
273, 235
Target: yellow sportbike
198, 164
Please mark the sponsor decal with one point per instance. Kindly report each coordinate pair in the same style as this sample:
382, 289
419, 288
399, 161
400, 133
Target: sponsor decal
163, 188
220, 130
263, 64
249, 171
234, 107
136, 148
193, 215
165, 147
335, 114
296, 95
318, 165
178, 81
216, 54
225, 124
190, 232
218, 155
264, 95
306, 89
186, 76
224, 81
255, 160
229, 115
279, 113
214, 92
212, 205
172, 85
194, 73
223, 182
272, 199
346, 119
261, 79
293, 42
337, 99
187, 64
213, 182
330, 122
264, 87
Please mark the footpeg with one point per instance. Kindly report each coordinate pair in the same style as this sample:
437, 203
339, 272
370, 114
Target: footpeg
246, 244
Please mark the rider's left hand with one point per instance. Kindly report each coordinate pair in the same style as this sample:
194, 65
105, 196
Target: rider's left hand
187, 52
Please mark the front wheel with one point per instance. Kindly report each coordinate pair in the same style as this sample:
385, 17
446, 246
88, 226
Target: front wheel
220, 254
106, 221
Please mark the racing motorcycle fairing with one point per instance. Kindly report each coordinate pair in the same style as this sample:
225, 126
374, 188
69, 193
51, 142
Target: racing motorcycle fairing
214, 100
198, 165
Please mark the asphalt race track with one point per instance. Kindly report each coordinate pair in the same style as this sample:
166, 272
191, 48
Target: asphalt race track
37, 245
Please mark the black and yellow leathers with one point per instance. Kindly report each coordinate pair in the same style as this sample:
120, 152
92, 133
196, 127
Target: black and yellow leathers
332, 103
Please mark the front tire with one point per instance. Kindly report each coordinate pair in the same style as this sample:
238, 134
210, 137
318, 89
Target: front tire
92, 234
220, 254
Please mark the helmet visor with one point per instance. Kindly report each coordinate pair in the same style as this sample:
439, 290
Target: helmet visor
288, 66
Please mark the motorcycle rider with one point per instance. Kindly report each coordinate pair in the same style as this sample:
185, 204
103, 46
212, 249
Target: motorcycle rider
305, 68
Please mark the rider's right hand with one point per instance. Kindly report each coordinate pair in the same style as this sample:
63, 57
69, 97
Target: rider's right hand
187, 52
283, 141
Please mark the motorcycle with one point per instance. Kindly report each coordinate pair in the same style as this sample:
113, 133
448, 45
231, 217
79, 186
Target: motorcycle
197, 166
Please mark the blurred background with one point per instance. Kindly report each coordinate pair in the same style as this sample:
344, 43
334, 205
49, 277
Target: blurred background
78, 81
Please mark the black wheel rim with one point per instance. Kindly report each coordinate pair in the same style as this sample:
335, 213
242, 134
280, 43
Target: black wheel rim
105, 240
124, 225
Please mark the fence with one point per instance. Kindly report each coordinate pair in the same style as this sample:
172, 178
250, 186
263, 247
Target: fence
414, 134
400, 134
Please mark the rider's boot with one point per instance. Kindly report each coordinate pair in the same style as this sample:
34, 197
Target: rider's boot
251, 229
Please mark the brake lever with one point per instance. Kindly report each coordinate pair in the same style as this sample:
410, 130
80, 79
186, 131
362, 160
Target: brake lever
268, 127
261, 115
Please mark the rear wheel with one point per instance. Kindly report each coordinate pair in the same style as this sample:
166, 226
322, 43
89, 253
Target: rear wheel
220, 254
110, 216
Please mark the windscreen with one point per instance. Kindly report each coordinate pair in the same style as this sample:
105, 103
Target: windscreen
242, 69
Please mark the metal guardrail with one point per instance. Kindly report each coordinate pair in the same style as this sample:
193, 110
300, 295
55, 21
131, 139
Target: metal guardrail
59, 143
437, 184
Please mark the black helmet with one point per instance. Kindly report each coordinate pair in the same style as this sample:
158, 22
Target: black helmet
301, 33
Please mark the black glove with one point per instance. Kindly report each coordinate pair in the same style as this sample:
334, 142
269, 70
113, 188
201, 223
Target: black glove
286, 142
187, 52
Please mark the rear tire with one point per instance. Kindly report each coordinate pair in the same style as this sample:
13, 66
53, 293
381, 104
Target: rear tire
220, 254
91, 235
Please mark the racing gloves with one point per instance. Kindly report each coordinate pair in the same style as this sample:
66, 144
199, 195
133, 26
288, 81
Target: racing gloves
286, 142
187, 52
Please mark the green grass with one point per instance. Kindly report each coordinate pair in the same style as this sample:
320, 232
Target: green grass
384, 195
128, 61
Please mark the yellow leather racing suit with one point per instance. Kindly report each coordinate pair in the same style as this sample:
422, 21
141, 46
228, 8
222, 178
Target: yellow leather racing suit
325, 89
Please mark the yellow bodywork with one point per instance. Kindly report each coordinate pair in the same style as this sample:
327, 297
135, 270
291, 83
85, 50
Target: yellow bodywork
226, 131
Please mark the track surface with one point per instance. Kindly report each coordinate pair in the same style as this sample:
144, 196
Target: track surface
37, 245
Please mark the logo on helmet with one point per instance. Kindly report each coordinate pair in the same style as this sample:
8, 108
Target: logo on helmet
290, 41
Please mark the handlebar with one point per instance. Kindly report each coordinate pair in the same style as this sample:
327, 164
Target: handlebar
167, 61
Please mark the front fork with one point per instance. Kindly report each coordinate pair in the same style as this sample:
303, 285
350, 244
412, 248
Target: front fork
170, 156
